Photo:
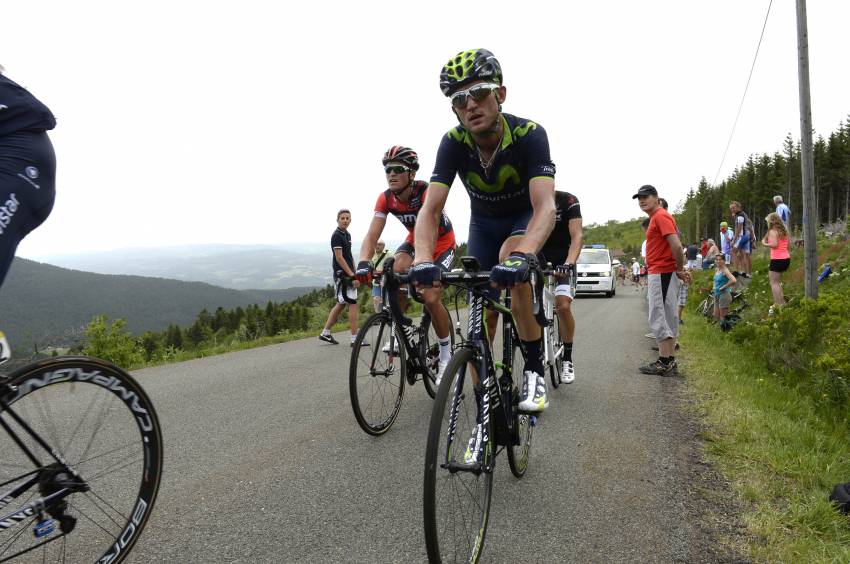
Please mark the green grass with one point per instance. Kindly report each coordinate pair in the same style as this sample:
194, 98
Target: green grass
782, 449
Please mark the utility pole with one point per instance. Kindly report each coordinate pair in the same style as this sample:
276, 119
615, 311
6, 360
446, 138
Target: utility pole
810, 212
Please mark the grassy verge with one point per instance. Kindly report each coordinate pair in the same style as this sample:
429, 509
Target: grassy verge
781, 447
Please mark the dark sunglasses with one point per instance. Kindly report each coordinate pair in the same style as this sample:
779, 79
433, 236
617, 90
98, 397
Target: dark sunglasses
477, 92
398, 169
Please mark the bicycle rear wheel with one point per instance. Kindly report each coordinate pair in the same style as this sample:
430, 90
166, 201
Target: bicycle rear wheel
99, 422
557, 349
518, 455
456, 505
376, 374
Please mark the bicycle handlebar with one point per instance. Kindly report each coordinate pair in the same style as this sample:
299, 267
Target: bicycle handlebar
466, 279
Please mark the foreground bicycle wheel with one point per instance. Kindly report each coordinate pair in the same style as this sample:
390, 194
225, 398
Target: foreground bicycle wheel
456, 504
98, 421
376, 375
518, 455
430, 352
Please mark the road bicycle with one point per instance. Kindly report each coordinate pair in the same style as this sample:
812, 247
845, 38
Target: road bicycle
80, 461
458, 482
390, 348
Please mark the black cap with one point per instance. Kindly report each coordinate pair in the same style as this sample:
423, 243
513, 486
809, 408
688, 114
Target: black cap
646, 190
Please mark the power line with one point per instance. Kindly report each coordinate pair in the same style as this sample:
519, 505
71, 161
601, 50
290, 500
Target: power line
740, 107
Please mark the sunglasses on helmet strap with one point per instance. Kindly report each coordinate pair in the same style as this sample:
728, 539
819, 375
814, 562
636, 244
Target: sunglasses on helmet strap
477, 92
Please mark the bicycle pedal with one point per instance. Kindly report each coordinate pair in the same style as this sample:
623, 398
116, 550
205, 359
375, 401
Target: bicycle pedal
533, 420
44, 528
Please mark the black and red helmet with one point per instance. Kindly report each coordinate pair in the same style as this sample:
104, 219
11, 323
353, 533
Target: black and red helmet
403, 155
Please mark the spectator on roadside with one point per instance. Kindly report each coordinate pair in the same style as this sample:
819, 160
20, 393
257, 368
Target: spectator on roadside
665, 261
636, 273
710, 254
683, 301
783, 211
726, 236
776, 240
644, 226
722, 290
378, 261
691, 254
345, 286
742, 244
703, 246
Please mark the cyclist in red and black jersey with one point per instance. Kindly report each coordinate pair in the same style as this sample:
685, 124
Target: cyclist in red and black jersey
404, 199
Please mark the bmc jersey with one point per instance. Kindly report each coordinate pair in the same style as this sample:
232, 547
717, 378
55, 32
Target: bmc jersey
558, 245
502, 190
407, 212
21, 111
659, 257
341, 240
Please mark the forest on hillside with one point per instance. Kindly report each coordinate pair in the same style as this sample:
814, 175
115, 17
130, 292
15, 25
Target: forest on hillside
755, 183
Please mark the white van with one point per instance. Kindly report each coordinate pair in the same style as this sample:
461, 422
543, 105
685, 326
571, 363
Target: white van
594, 271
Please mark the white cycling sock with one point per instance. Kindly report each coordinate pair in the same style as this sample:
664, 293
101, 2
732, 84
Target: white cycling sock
445, 349
325, 332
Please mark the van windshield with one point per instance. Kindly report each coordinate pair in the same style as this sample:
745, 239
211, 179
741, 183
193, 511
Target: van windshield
593, 256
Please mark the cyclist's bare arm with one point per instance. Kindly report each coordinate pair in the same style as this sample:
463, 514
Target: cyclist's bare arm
576, 239
542, 193
425, 232
367, 250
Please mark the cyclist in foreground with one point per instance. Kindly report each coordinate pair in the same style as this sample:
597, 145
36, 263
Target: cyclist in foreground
562, 250
27, 171
404, 198
504, 163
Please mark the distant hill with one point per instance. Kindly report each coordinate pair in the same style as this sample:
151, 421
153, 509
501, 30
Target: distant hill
231, 266
42, 303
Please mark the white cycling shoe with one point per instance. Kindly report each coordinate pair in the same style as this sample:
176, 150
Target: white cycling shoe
568, 374
534, 397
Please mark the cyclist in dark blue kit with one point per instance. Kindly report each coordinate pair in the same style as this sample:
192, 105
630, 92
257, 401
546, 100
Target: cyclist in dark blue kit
27, 169
504, 163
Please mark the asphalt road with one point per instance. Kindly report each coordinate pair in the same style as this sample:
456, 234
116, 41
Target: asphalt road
265, 462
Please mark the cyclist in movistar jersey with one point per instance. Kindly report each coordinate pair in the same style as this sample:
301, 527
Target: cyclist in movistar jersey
27, 171
562, 250
404, 199
504, 163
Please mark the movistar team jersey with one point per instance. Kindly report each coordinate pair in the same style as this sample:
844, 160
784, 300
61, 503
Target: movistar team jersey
522, 155
21, 111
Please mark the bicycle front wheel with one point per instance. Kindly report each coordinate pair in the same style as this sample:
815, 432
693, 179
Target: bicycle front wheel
518, 455
104, 445
376, 374
456, 504
429, 351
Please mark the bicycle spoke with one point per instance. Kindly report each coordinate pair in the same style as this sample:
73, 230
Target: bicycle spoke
113, 469
90, 495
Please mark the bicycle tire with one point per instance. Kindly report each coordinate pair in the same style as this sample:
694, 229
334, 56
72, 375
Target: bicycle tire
101, 423
518, 455
429, 351
557, 365
448, 536
375, 376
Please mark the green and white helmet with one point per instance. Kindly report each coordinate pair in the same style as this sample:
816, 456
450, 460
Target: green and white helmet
469, 66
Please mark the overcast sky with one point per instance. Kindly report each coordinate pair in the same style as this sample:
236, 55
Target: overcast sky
187, 122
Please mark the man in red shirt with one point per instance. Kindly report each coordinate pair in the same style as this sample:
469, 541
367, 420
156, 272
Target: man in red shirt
666, 262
